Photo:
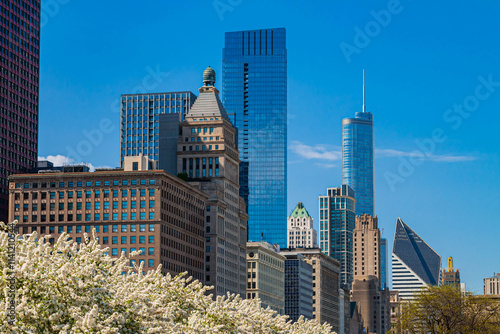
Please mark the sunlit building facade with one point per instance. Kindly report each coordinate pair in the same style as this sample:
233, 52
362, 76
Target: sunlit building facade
255, 96
357, 160
336, 225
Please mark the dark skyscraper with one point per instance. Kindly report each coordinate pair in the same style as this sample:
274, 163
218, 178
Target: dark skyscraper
19, 78
357, 158
255, 95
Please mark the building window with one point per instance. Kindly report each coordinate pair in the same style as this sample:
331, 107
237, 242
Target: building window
114, 240
142, 239
142, 228
124, 240
151, 239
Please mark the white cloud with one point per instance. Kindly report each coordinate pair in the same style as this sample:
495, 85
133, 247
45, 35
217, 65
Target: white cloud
322, 165
61, 160
420, 154
315, 152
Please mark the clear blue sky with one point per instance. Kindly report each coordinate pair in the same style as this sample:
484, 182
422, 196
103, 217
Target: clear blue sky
421, 61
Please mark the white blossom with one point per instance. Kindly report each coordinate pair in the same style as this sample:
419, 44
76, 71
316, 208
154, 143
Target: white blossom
70, 288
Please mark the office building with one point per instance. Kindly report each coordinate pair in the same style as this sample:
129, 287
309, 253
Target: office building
336, 224
300, 231
298, 286
450, 275
266, 275
492, 285
367, 247
394, 305
145, 210
19, 86
357, 158
207, 153
356, 325
415, 264
327, 302
255, 94
384, 270
140, 121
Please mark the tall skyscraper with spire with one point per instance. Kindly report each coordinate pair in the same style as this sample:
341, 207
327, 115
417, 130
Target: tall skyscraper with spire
255, 95
357, 158
207, 152
19, 79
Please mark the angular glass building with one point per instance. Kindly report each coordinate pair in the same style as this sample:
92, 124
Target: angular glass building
140, 120
357, 160
19, 82
336, 225
255, 96
415, 264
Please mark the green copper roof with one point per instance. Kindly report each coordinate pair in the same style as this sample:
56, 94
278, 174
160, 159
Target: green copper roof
300, 211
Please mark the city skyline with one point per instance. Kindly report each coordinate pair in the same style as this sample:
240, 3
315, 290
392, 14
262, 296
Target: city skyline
413, 83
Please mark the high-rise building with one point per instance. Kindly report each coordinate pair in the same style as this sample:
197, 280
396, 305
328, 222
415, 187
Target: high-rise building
300, 231
150, 211
367, 247
492, 285
255, 94
298, 286
266, 275
140, 120
415, 264
207, 153
19, 82
383, 263
357, 158
450, 275
327, 306
336, 224
366, 289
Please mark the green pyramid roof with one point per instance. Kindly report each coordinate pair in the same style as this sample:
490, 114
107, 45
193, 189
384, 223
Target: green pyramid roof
299, 211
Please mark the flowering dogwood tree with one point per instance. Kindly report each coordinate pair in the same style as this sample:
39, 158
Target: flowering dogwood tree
78, 288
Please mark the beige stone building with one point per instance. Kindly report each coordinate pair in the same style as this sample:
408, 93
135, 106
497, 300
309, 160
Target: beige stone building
266, 275
492, 285
327, 306
366, 290
366, 246
145, 210
207, 153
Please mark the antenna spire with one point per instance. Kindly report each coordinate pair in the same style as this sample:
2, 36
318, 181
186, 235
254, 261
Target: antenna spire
364, 107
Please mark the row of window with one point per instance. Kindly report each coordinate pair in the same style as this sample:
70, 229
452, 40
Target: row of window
88, 194
88, 217
88, 205
87, 228
87, 184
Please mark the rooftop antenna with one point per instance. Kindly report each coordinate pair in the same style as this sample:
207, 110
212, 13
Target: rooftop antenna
364, 108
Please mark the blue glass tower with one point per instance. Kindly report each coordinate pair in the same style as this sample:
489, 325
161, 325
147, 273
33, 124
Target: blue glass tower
255, 94
357, 158
383, 263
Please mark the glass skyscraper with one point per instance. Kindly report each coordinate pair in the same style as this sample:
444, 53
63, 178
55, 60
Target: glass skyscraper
255, 96
415, 264
19, 82
383, 263
357, 160
140, 120
336, 225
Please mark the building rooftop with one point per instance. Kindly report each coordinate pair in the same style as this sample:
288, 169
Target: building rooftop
299, 211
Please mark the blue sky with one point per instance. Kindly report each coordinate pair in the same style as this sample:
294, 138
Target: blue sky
432, 83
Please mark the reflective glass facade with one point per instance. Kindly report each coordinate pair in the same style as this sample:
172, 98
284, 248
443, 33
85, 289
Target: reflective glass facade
255, 96
19, 82
140, 120
357, 160
383, 263
336, 225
